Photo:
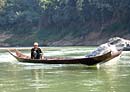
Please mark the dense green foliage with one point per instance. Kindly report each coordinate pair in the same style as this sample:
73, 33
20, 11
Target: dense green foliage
48, 20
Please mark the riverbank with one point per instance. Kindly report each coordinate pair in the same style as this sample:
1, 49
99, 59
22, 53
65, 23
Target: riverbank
90, 39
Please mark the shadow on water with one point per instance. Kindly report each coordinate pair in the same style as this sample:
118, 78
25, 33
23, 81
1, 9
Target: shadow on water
74, 78
58, 78
76, 67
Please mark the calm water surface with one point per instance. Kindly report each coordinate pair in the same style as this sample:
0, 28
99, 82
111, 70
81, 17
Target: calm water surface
113, 76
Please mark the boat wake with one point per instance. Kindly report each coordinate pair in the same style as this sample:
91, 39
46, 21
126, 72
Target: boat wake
5, 57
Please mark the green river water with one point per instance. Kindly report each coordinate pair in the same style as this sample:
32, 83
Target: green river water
113, 76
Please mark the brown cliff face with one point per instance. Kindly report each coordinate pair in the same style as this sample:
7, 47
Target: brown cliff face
4, 37
88, 39
93, 38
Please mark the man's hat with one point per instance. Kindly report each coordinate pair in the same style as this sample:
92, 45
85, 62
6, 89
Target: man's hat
35, 43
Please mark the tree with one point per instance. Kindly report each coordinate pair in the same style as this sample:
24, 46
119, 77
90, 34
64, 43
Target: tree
86, 10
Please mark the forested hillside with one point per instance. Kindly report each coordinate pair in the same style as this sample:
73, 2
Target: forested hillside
63, 22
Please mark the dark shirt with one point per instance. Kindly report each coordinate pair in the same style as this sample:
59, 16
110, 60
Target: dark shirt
36, 53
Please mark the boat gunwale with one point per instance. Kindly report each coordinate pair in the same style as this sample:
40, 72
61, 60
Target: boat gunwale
94, 57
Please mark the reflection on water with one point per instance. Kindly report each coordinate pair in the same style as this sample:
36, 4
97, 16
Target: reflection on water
21, 77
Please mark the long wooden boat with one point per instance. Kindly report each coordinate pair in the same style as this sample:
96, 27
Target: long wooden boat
87, 60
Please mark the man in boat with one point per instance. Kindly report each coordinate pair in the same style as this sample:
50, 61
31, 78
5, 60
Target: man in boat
36, 52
